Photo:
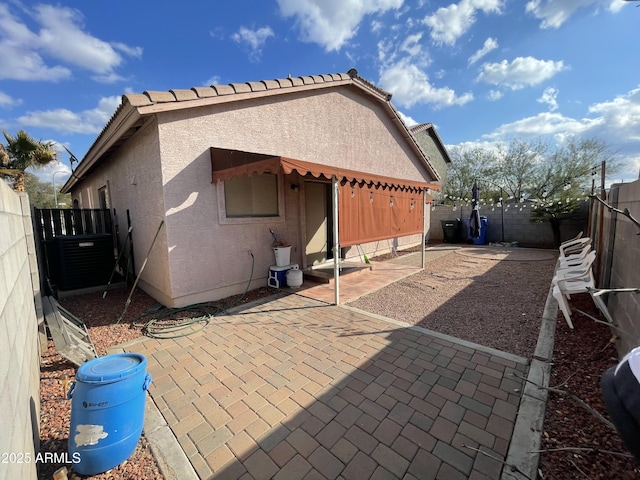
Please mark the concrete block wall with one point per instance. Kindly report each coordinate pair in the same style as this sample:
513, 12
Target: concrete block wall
516, 221
622, 242
19, 351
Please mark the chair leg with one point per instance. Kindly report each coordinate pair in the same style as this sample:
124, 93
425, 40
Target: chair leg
562, 303
603, 307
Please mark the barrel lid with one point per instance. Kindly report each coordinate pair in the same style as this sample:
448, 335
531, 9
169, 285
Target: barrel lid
111, 368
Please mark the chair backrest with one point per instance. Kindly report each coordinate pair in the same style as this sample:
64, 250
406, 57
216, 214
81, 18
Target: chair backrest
578, 263
575, 246
572, 239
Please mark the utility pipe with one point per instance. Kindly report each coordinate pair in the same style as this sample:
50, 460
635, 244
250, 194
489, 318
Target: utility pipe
336, 243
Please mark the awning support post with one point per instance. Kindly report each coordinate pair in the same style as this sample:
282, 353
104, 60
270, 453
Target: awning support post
424, 227
336, 243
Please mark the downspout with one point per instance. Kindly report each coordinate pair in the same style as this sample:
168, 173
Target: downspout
336, 243
424, 227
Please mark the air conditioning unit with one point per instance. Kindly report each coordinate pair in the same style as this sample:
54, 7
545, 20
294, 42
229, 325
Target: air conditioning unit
81, 261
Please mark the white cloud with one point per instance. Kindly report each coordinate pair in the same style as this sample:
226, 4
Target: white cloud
622, 136
494, 95
215, 80
410, 85
254, 39
554, 13
521, 72
549, 96
63, 120
489, 45
408, 121
450, 23
24, 54
376, 26
411, 45
332, 23
6, 101
621, 116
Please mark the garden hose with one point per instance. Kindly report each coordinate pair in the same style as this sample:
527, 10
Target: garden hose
166, 325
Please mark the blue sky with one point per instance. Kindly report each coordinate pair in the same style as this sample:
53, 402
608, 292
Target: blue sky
482, 71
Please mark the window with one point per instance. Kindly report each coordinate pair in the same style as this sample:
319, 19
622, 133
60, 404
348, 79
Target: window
102, 198
254, 196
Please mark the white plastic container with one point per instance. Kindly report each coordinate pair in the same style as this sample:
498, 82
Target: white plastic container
294, 277
283, 256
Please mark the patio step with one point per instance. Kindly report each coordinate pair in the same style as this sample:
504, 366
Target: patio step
324, 273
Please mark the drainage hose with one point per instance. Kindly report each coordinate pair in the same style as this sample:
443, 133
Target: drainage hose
181, 322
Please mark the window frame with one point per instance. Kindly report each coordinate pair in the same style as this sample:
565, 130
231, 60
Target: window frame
222, 206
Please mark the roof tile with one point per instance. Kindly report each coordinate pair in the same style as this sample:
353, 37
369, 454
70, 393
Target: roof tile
256, 86
224, 89
317, 78
271, 84
182, 95
204, 92
284, 82
137, 99
160, 97
307, 80
241, 87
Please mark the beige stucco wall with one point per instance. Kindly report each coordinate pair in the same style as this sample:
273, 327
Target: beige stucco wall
196, 258
134, 179
340, 128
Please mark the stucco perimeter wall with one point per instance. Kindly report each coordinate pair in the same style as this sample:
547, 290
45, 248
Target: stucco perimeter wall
341, 128
19, 354
516, 221
622, 244
134, 182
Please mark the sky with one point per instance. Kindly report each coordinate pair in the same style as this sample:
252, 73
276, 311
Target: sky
481, 71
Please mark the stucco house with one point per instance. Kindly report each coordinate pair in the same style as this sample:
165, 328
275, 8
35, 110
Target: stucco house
431, 144
324, 161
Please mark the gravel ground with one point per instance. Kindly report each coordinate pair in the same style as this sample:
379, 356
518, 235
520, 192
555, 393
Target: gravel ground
498, 304
494, 303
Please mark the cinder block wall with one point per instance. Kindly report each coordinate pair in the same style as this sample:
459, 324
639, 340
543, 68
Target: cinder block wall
622, 244
517, 225
19, 353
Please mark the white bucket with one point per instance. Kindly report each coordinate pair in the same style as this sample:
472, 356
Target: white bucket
294, 277
283, 256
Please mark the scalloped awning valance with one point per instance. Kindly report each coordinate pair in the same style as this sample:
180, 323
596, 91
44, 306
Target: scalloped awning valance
227, 164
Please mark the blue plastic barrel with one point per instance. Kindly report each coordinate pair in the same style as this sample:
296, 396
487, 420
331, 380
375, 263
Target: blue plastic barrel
107, 411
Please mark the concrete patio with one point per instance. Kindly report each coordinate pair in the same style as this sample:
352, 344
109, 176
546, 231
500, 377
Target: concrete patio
296, 388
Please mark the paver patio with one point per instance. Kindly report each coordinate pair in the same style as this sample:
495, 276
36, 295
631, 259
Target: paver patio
297, 388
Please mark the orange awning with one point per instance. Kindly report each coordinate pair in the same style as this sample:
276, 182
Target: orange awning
227, 164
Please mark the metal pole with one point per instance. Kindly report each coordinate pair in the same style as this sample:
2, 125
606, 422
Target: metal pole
53, 181
502, 210
336, 243
424, 226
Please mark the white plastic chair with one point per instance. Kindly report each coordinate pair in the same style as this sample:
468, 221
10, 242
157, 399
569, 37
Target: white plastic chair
576, 262
574, 247
567, 285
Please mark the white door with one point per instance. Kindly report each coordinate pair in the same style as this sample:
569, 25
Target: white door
315, 209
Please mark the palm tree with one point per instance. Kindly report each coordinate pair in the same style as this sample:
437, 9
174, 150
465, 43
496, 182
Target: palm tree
21, 152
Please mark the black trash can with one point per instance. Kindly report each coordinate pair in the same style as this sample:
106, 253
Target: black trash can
450, 231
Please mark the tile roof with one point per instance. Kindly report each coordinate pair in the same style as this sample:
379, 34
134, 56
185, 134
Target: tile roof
135, 107
151, 97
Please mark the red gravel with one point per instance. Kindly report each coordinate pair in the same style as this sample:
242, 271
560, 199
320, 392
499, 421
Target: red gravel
580, 358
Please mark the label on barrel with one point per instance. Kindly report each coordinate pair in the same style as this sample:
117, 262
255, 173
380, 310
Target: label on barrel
89, 435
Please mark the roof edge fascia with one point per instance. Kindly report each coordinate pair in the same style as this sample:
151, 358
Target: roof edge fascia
124, 118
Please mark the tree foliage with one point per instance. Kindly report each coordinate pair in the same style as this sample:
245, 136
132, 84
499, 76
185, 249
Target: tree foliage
41, 193
20, 153
527, 169
553, 179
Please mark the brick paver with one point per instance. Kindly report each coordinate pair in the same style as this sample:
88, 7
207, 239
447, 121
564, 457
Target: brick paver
296, 388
